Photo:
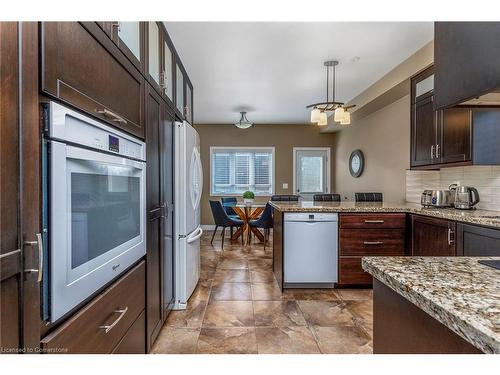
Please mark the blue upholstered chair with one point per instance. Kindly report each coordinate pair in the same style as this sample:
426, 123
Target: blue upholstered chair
265, 222
221, 219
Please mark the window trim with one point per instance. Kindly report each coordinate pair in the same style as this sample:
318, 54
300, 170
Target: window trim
328, 166
244, 149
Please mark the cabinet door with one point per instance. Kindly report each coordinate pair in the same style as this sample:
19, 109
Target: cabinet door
454, 135
154, 250
82, 66
188, 108
129, 37
168, 70
179, 91
473, 240
423, 133
154, 55
432, 237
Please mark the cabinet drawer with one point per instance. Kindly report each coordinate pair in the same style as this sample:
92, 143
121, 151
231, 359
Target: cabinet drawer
351, 272
372, 242
82, 333
134, 341
82, 66
372, 221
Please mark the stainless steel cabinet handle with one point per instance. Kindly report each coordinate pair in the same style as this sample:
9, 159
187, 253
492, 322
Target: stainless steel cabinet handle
432, 152
113, 116
373, 243
122, 313
39, 244
451, 238
437, 151
374, 221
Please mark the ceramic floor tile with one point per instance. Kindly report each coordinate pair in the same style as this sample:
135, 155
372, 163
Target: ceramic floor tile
342, 339
325, 313
311, 294
277, 314
363, 310
261, 264
191, 317
233, 264
266, 292
234, 340
355, 294
172, 340
285, 340
229, 314
262, 276
231, 292
231, 276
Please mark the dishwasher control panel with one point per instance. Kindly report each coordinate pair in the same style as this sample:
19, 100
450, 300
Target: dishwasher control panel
311, 216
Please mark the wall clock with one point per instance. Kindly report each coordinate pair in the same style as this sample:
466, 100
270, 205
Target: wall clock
356, 163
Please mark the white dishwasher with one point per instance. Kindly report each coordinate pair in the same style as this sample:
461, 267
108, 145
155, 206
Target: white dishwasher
310, 249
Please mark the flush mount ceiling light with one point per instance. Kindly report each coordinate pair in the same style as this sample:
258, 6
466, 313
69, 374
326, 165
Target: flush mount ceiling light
243, 123
340, 110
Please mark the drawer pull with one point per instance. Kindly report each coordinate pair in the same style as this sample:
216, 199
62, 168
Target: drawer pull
373, 242
374, 221
113, 116
122, 313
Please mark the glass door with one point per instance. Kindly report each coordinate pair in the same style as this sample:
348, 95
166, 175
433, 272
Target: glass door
311, 171
179, 91
168, 72
128, 39
154, 55
167, 166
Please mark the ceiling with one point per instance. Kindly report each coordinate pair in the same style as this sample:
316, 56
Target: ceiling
274, 69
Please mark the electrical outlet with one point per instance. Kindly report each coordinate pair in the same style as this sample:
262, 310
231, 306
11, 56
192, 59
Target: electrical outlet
285, 185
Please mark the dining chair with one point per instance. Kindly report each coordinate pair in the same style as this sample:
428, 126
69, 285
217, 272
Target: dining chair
265, 222
228, 203
221, 219
326, 197
285, 198
368, 197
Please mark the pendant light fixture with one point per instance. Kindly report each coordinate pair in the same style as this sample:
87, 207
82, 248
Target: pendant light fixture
243, 123
340, 110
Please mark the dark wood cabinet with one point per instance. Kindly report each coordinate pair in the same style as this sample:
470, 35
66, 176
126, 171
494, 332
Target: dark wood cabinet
20, 187
368, 235
438, 138
466, 59
83, 67
473, 240
433, 237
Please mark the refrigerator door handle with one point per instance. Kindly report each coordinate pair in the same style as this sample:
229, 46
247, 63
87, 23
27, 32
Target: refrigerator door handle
196, 234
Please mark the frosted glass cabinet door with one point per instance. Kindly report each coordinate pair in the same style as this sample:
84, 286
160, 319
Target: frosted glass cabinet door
130, 35
179, 90
168, 71
154, 52
189, 104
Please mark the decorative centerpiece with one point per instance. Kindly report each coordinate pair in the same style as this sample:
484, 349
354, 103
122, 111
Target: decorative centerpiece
248, 197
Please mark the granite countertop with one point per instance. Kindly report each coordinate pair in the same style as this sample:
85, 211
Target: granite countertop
480, 217
457, 291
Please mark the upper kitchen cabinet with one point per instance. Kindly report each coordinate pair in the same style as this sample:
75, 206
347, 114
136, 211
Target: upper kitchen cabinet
129, 37
179, 90
438, 138
188, 94
160, 54
83, 67
466, 60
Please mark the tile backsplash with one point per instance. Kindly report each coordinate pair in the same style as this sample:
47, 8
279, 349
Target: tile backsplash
486, 179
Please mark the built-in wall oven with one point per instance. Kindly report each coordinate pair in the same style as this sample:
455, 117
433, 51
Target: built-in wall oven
96, 205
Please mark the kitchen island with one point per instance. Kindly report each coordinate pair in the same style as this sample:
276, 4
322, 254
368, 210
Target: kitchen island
434, 305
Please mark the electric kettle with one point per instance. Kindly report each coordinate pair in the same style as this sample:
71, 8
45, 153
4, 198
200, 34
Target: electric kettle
466, 197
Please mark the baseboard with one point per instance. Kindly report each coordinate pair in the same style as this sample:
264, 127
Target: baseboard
208, 227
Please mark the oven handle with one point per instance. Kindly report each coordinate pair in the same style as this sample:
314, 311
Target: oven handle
84, 154
194, 237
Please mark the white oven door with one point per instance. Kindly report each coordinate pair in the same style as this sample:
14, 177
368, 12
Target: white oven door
97, 222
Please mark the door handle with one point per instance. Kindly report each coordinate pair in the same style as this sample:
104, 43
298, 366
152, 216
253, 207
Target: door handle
122, 313
432, 152
437, 151
374, 221
39, 244
113, 116
194, 238
373, 243
451, 235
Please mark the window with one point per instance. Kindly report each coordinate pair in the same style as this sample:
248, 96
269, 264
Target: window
235, 170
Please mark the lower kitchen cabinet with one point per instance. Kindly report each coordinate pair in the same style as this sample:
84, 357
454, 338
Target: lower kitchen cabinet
109, 319
368, 235
473, 240
433, 237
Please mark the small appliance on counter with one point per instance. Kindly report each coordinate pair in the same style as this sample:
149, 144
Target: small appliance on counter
437, 198
466, 197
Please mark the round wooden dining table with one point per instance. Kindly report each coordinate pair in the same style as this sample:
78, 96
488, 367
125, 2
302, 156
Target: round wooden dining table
247, 212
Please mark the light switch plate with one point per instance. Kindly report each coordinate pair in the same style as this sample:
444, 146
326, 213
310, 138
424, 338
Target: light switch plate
285, 185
